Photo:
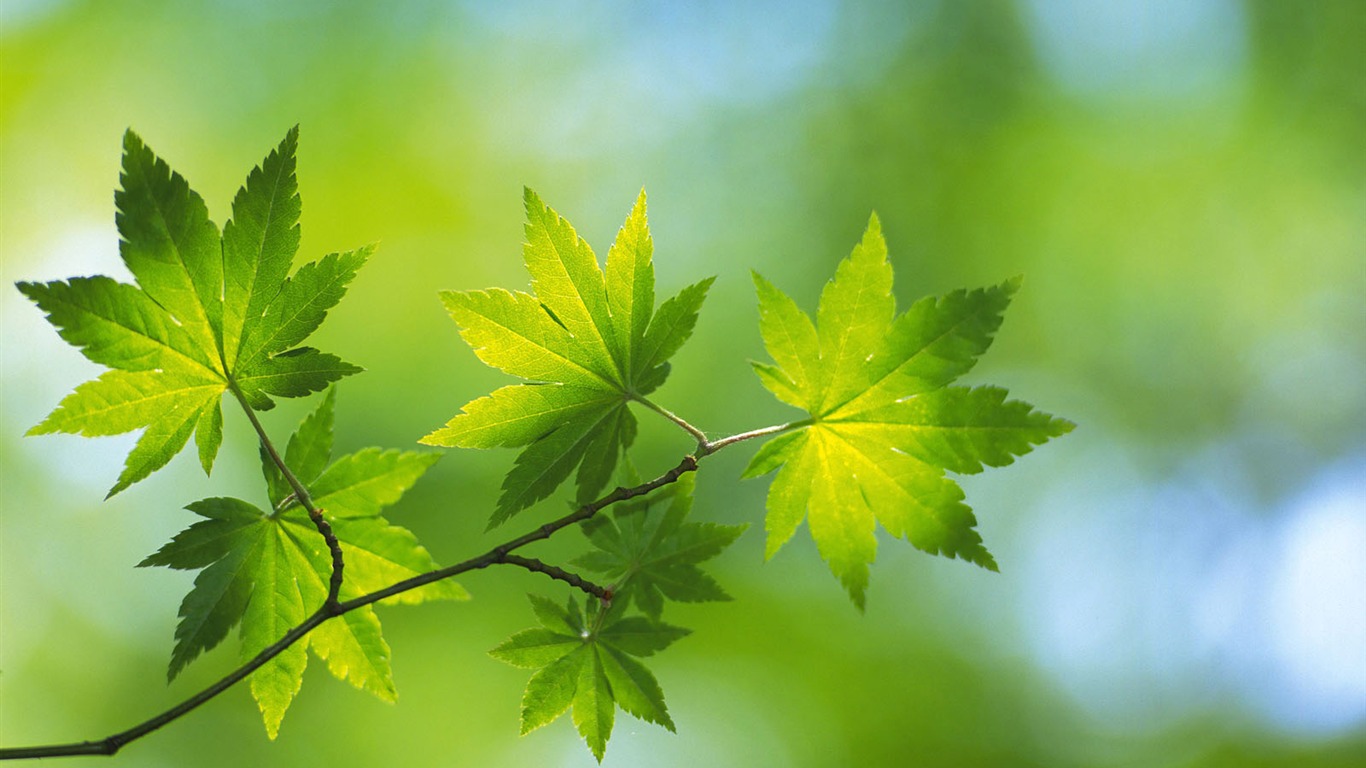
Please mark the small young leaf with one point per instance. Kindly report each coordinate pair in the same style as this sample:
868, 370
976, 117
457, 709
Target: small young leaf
590, 669
651, 554
588, 341
267, 572
884, 426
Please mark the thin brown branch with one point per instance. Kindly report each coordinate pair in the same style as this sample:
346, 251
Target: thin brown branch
334, 582
496, 555
559, 574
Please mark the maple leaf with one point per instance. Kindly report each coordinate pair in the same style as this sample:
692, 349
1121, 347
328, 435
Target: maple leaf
590, 666
588, 341
884, 425
269, 570
652, 553
209, 313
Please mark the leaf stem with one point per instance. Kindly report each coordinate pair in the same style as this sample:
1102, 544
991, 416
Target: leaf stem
599, 616
305, 500
712, 446
333, 608
706, 447
697, 434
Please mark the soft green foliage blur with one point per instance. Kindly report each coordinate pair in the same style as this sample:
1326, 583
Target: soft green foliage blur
1181, 187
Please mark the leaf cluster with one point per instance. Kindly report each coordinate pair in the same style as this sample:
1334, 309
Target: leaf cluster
212, 312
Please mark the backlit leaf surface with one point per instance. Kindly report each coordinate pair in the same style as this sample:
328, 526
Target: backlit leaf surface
883, 423
268, 570
587, 340
208, 312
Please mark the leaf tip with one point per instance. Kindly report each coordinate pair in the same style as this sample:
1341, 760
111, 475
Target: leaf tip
531, 200
364, 252
433, 439
856, 584
980, 556
771, 547
499, 516
854, 577
41, 428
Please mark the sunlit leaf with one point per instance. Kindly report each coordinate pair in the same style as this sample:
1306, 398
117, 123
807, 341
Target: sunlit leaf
206, 312
588, 341
883, 425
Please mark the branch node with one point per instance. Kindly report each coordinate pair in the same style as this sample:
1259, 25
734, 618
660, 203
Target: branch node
334, 584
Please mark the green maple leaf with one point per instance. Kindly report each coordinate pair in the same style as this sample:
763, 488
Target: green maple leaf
589, 665
208, 313
588, 341
269, 570
884, 425
652, 553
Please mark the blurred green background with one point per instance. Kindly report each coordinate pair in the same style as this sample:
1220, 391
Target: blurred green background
1182, 182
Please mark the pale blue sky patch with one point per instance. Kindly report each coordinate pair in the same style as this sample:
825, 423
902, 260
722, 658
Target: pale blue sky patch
1150, 49
1315, 605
